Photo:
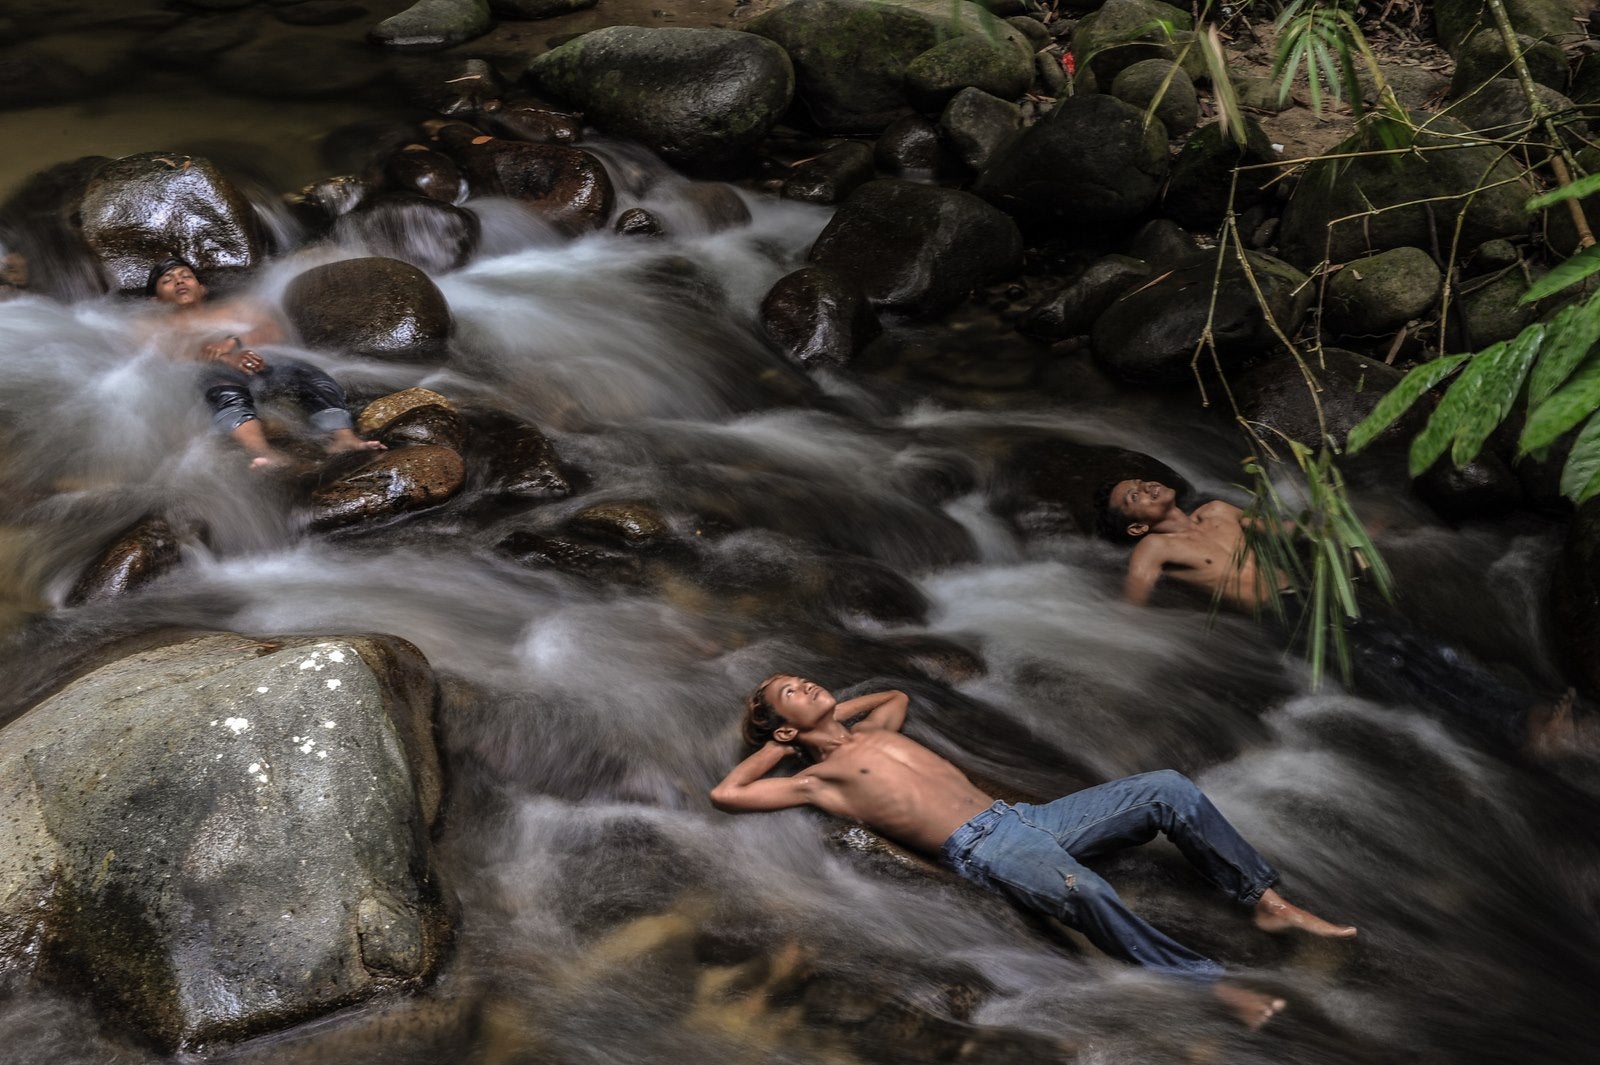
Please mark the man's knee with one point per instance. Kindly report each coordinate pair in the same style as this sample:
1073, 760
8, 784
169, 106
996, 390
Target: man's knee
1173, 789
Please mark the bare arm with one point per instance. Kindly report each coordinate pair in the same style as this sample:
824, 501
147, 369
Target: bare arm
1144, 570
885, 710
744, 791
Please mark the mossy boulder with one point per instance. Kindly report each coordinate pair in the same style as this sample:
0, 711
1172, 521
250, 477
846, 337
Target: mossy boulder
701, 98
1483, 57
1456, 21
860, 64
1154, 81
1202, 175
1124, 32
1382, 292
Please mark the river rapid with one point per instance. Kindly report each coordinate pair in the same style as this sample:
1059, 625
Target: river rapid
606, 913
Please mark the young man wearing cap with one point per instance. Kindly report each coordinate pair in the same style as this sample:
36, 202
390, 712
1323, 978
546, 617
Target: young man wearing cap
223, 336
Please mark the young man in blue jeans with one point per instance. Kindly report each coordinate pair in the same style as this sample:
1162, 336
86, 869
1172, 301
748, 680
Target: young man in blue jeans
870, 773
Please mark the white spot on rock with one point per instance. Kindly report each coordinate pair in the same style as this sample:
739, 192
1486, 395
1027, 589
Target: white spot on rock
253, 767
263, 690
322, 754
336, 656
237, 724
327, 724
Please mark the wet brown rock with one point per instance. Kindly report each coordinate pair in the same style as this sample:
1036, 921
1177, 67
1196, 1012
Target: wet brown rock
519, 460
430, 235
537, 123
414, 416
330, 199
138, 210
718, 205
1051, 482
629, 523
568, 186
913, 147
386, 484
817, 319
138, 557
375, 307
417, 168
572, 556
638, 222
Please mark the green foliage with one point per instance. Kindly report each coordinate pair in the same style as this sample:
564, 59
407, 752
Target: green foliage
1557, 362
1323, 38
1318, 548
1575, 191
1568, 273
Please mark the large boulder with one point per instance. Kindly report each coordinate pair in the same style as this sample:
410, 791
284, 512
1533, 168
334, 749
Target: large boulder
700, 98
1202, 182
1073, 310
859, 63
1382, 292
1154, 82
917, 249
222, 837
1093, 161
376, 307
1554, 20
1124, 32
1148, 337
1484, 57
141, 209
1418, 194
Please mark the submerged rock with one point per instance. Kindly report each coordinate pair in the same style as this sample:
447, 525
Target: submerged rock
699, 98
430, 235
816, 318
1049, 483
374, 307
915, 249
179, 832
143, 208
139, 556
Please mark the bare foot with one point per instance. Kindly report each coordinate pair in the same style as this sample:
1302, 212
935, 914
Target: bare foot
345, 440
268, 461
1274, 913
1252, 1008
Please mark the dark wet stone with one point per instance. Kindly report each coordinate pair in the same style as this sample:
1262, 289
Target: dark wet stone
1049, 483
430, 235
1483, 488
323, 202
1202, 175
1575, 597
638, 222
386, 484
413, 416
196, 42
1154, 80
938, 658
1072, 311
467, 89
817, 319
138, 556
912, 146
656, 86
1381, 293
430, 25
537, 123
37, 222
1000, 68
1122, 32
32, 78
171, 806
1092, 161
915, 249
319, 13
519, 460
353, 148
572, 556
863, 587
531, 9
1164, 244
374, 307
298, 66
419, 169
631, 524
717, 204
831, 176
567, 186
1148, 337
976, 124
141, 209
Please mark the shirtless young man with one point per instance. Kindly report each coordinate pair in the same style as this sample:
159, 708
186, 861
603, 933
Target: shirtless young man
223, 336
1030, 853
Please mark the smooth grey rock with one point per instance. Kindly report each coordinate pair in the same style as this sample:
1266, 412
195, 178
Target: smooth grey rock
179, 830
700, 98
429, 25
1499, 108
1155, 81
1455, 20
976, 124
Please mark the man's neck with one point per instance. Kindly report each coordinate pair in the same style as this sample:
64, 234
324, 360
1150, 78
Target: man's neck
1173, 521
824, 739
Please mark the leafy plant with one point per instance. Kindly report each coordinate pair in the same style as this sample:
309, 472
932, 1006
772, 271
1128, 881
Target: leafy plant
1322, 38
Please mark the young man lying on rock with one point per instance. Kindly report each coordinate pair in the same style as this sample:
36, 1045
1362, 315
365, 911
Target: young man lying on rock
1030, 853
1206, 549
223, 336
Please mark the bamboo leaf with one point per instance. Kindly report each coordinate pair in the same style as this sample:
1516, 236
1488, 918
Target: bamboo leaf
1574, 402
1570, 272
1580, 477
1493, 385
1575, 191
1400, 399
1568, 338
1451, 415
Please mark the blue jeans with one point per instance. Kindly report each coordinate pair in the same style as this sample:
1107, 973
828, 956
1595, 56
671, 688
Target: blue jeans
1030, 853
232, 395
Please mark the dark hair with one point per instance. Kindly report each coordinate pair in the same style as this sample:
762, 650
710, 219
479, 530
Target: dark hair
761, 720
170, 263
1111, 523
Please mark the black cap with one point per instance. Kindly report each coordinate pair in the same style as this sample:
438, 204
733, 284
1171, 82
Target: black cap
162, 267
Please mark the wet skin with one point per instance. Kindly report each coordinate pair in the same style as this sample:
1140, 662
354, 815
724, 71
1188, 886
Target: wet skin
1205, 548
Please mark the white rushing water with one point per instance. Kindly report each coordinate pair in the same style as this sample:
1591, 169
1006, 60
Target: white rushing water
581, 775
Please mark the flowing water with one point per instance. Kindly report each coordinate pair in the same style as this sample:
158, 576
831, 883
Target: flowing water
606, 913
